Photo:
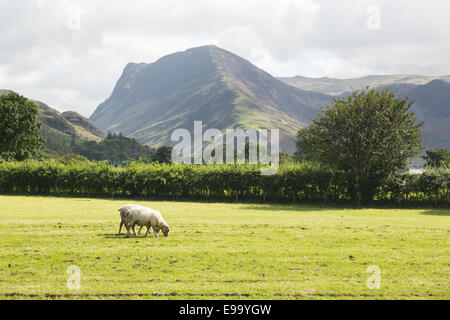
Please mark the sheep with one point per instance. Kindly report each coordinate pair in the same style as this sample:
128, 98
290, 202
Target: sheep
143, 216
124, 213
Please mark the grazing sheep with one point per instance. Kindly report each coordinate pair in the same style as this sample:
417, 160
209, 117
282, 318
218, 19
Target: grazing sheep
143, 216
124, 213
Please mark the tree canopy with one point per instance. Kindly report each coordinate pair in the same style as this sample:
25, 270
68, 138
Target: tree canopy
20, 136
117, 149
369, 134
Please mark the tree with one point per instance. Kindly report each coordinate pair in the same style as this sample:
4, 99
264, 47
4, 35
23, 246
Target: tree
437, 158
117, 149
163, 154
20, 136
71, 158
369, 135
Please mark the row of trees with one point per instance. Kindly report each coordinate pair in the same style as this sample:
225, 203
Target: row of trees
117, 149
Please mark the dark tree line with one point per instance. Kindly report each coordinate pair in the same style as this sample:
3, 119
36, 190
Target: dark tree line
116, 149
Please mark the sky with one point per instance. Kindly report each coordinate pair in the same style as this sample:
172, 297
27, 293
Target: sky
70, 54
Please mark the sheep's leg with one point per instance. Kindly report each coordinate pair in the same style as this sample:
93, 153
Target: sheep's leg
148, 228
156, 232
134, 231
120, 228
139, 232
128, 230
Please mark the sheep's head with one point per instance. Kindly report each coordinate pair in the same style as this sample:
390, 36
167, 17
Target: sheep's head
165, 230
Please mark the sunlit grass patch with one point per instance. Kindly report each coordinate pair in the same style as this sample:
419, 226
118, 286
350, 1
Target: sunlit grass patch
221, 251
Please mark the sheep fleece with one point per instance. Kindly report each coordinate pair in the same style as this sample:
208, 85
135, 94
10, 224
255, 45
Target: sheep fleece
144, 216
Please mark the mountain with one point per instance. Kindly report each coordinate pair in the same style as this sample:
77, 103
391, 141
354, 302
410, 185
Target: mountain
206, 83
60, 129
338, 87
431, 105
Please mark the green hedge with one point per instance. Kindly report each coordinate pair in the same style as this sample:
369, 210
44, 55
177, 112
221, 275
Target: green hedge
301, 182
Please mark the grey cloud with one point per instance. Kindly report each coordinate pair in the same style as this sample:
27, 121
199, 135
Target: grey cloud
76, 69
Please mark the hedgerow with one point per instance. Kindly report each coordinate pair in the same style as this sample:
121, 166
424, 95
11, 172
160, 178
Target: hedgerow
294, 182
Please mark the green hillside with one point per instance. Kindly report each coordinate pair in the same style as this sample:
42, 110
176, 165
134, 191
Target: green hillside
61, 131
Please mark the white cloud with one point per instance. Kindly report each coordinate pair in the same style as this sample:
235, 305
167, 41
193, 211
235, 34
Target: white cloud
49, 53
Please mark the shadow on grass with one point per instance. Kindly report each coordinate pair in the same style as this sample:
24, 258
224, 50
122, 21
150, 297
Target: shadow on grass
307, 207
121, 236
436, 212
113, 235
282, 207
311, 207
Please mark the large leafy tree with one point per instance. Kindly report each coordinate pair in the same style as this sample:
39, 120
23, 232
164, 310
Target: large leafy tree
20, 136
369, 135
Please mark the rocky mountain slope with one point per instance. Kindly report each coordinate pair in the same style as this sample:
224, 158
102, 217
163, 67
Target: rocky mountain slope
432, 106
206, 83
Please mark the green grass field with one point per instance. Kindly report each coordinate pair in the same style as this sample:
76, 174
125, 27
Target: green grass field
221, 251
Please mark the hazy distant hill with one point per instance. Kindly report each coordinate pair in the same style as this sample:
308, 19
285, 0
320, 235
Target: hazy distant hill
206, 83
431, 95
333, 86
432, 105
59, 130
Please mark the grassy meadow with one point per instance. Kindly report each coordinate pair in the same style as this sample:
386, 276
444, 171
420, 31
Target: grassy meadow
221, 251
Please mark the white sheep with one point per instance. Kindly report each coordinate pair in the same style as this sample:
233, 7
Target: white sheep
124, 214
143, 216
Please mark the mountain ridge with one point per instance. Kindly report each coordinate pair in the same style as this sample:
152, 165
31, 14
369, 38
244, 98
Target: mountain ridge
204, 83
336, 86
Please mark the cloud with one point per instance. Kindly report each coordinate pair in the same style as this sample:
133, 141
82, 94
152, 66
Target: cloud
70, 54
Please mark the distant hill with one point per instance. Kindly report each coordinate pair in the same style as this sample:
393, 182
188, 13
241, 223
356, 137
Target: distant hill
60, 130
337, 87
431, 96
206, 83
432, 105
